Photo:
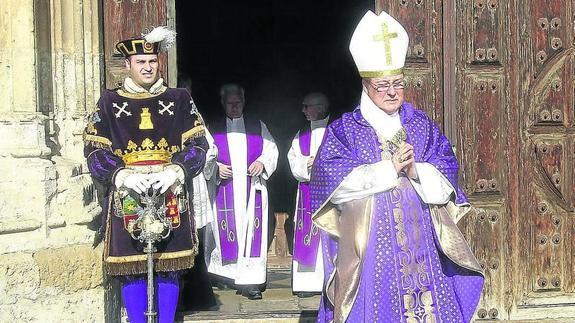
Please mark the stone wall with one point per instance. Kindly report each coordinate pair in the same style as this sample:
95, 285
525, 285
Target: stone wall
50, 60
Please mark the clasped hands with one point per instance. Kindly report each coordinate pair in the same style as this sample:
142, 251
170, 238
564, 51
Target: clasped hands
404, 160
256, 169
142, 182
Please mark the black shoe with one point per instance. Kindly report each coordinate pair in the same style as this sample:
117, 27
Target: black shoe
305, 294
252, 292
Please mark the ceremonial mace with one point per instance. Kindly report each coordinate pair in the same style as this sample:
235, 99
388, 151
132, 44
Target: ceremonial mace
153, 227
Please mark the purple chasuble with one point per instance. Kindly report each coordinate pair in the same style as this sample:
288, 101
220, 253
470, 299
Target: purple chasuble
404, 276
225, 192
306, 239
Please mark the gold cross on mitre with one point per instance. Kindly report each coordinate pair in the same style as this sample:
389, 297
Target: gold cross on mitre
379, 45
386, 38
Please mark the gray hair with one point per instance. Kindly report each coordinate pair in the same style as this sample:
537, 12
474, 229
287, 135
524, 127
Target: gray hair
231, 88
321, 100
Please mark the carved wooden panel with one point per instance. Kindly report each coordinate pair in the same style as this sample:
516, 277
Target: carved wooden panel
481, 134
482, 34
550, 156
551, 103
548, 25
546, 268
129, 19
417, 13
419, 83
485, 233
482, 101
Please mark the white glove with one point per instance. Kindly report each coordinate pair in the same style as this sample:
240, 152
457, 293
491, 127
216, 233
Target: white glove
137, 182
163, 180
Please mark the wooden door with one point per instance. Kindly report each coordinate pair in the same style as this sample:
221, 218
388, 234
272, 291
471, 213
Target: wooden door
500, 76
546, 215
422, 20
125, 19
484, 139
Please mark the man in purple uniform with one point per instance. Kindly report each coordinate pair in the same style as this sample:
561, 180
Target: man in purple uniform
384, 190
144, 135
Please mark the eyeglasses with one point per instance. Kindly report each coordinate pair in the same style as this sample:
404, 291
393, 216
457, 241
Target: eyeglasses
384, 87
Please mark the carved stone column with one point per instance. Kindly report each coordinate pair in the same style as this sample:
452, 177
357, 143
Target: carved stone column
76, 57
24, 194
50, 60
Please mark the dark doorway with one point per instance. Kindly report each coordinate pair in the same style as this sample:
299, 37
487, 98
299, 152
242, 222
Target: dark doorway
278, 51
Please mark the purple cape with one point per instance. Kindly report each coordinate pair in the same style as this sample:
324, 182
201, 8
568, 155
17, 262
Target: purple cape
403, 275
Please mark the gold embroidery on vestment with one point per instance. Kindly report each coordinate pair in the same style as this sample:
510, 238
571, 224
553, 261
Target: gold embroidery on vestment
195, 132
146, 120
97, 139
414, 280
90, 129
147, 151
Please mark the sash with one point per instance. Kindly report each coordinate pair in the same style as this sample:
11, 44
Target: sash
225, 192
306, 237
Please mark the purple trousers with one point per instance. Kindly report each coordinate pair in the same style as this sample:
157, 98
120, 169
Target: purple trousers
134, 296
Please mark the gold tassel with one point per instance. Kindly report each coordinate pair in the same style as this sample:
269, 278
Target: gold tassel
140, 267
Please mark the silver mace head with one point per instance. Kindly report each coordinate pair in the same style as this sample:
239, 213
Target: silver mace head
151, 224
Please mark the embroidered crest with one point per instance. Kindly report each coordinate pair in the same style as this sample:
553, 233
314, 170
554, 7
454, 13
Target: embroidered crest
148, 150
146, 119
166, 108
121, 109
129, 205
172, 212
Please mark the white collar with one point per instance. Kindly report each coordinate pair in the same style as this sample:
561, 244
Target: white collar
385, 125
234, 120
322, 123
131, 87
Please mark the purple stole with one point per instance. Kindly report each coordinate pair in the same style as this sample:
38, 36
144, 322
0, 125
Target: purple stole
306, 233
225, 192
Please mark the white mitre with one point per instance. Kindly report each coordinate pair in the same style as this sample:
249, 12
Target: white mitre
379, 45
